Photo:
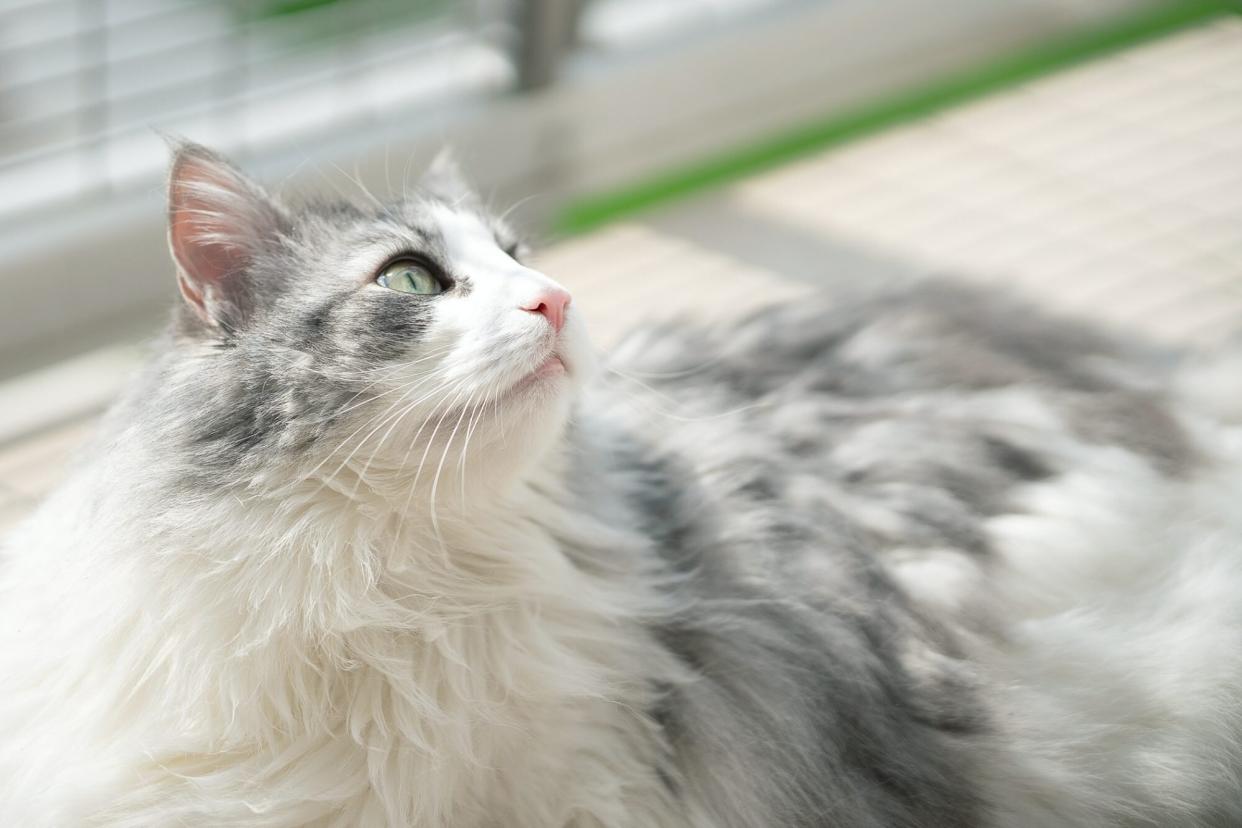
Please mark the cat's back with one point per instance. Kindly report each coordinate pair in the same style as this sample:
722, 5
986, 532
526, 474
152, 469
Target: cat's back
868, 496
884, 345
932, 404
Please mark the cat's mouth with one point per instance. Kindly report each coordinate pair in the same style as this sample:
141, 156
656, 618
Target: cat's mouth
551, 368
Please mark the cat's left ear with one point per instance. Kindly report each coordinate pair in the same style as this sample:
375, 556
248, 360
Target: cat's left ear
444, 179
218, 221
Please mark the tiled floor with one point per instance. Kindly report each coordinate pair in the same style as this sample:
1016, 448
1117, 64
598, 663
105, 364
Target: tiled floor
1113, 191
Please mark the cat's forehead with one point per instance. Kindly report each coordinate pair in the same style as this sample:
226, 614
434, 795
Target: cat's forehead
429, 224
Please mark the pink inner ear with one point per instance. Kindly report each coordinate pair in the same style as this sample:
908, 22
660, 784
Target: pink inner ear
208, 232
206, 240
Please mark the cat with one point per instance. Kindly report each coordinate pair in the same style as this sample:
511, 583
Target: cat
372, 540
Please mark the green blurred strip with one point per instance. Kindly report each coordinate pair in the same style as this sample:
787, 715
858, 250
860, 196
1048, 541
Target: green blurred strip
591, 212
403, 12
281, 8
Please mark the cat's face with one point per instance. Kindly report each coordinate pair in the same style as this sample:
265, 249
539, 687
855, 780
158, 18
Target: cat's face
384, 342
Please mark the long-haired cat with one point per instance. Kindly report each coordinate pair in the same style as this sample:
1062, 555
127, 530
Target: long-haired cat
370, 543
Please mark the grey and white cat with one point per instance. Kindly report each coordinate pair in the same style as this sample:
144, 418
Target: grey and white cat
370, 543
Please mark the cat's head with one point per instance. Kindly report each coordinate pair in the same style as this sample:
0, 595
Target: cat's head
375, 343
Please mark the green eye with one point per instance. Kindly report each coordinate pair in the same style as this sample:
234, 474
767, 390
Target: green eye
409, 277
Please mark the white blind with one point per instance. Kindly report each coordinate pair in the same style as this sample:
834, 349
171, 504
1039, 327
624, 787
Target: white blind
84, 84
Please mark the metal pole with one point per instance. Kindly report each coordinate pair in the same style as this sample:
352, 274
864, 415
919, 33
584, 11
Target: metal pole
545, 30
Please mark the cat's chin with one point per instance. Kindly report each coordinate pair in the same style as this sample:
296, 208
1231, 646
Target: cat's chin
551, 369
536, 405
550, 378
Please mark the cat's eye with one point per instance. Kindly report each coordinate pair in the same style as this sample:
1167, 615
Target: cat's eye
408, 276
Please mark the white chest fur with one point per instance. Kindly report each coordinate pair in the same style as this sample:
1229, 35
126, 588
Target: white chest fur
292, 669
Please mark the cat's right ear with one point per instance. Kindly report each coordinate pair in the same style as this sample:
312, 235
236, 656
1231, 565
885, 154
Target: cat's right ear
445, 179
218, 221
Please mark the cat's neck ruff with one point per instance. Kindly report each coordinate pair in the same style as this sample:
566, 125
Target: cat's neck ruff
326, 629
460, 641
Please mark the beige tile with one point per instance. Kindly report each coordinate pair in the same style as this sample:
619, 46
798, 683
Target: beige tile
33, 466
632, 274
1113, 190
12, 510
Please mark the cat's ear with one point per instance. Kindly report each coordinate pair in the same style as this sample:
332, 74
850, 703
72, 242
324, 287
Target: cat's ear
445, 180
218, 221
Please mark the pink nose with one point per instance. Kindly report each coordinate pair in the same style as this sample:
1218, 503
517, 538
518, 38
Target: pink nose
551, 304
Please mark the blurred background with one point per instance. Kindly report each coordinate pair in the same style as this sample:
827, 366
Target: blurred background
673, 156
